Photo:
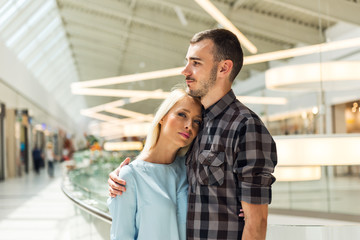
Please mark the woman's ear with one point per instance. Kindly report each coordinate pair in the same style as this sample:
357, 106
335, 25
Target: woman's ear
161, 121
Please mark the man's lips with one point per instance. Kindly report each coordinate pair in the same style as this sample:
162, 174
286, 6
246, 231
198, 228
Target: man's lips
189, 80
185, 135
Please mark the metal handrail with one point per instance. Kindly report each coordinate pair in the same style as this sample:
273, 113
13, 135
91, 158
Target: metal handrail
86, 207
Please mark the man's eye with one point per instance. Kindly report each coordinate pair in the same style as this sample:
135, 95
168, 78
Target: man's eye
196, 63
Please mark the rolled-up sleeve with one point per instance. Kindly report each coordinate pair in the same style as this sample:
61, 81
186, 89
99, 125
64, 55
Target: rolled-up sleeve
254, 163
123, 209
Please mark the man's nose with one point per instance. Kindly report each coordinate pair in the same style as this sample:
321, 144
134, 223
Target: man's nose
185, 71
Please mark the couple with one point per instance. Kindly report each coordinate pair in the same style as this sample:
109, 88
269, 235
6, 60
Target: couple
222, 188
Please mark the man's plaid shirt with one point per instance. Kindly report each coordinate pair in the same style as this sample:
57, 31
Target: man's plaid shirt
231, 160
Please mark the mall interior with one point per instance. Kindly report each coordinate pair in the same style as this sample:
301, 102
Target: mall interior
80, 82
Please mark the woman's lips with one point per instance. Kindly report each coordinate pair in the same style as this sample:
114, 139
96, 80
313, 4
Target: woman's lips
185, 135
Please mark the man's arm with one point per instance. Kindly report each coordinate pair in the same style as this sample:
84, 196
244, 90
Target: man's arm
117, 185
255, 221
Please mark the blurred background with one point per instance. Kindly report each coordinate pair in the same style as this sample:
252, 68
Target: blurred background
80, 82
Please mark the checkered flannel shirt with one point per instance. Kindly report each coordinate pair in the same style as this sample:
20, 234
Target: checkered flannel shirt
231, 160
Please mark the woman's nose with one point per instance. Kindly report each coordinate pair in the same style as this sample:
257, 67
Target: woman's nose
188, 125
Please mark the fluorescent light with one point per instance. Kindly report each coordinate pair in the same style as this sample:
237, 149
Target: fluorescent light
119, 93
128, 78
137, 129
290, 174
301, 51
262, 100
99, 116
339, 75
123, 146
131, 114
181, 15
130, 130
225, 22
163, 95
289, 114
259, 58
118, 103
109, 119
318, 150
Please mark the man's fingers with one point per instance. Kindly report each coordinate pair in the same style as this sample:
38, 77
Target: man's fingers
125, 162
118, 191
119, 184
113, 193
241, 214
113, 179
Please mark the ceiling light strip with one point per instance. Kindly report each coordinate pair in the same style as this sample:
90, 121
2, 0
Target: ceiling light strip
301, 51
131, 114
259, 58
119, 93
111, 120
99, 116
225, 22
128, 78
180, 15
113, 104
163, 95
262, 100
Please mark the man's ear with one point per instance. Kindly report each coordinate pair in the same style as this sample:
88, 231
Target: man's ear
226, 67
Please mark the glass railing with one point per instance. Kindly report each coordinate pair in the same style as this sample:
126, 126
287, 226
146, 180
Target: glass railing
88, 175
86, 185
332, 193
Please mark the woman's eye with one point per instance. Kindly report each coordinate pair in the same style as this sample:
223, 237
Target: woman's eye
182, 114
198, 122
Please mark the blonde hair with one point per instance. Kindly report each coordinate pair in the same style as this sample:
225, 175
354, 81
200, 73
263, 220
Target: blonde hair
154, 131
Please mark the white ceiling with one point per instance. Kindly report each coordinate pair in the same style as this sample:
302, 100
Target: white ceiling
66, 41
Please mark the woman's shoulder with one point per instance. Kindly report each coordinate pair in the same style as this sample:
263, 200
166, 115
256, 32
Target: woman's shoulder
127, 171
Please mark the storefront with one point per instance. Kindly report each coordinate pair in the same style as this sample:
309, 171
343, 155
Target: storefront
2, 142
17, 143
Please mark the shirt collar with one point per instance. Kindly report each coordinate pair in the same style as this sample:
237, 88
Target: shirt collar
218, 107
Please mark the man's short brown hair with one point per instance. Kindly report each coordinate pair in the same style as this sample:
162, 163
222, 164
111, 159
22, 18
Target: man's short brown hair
226, 47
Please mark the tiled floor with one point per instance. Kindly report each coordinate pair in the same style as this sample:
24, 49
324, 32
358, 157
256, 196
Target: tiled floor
34, 207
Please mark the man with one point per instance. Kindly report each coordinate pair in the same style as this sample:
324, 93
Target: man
230, 163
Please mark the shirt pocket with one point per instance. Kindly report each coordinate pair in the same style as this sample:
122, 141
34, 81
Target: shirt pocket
211, 168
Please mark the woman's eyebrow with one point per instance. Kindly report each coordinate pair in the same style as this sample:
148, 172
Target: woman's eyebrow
188, 111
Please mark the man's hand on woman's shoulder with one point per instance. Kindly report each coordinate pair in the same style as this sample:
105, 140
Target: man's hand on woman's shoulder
117, 185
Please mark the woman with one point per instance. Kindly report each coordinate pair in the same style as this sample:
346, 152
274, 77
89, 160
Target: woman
155, 201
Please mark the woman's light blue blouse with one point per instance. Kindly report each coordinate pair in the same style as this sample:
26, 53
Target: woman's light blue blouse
154, 204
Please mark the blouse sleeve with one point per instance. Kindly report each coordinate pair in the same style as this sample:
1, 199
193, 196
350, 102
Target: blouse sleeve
123, 209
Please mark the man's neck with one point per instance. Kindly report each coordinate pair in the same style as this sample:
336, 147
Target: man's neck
213, 96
